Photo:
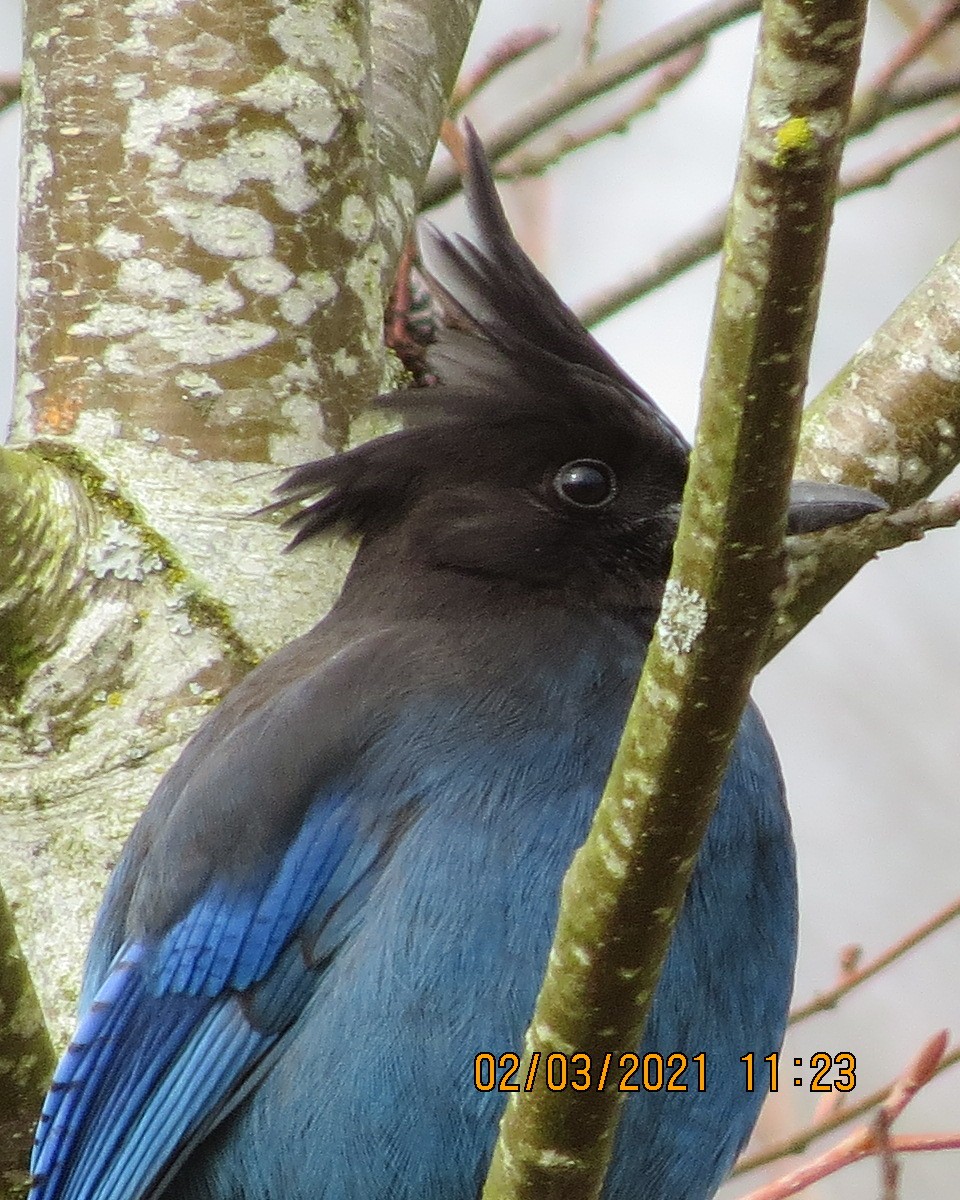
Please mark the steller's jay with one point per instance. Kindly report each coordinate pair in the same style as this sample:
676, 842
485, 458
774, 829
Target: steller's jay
346, 887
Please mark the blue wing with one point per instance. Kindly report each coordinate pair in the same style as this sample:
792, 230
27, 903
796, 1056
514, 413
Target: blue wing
183, 1023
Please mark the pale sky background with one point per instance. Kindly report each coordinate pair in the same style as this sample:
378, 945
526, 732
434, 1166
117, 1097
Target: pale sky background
864, 706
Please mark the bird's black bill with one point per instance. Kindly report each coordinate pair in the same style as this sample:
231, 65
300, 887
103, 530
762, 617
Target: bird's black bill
816, 506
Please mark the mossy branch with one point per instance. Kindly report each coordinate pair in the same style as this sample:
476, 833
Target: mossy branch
626, 885
889, 421
44, 522
26, 1056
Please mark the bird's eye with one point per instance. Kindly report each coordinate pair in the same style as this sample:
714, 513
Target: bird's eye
585, 483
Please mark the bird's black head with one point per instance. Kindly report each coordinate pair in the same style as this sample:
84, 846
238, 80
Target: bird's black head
536, 464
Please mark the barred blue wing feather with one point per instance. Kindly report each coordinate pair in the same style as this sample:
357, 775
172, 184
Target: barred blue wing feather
182, 1022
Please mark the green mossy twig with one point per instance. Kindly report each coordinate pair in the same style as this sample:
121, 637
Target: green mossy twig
626, 885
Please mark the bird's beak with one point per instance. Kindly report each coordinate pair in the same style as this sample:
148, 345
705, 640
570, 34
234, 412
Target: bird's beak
815, 506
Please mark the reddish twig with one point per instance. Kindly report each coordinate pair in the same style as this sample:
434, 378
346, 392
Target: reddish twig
590, 43
853, 978
452, 140
883, 169
914, 46
504, 54
875, 1139
799, 1141
661, 82
593, 80
707, 238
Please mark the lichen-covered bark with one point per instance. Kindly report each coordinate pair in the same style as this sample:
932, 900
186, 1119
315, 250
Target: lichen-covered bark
201, 236
214, 196
417, 47
890, 422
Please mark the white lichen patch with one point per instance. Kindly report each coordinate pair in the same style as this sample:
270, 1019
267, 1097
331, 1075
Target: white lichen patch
884, 466
551, 1159
622, 832
296, 307
581, 954
682, 618
149, 280
753, 213
839, 35
913, 470
117, 243
739, 296
128, 86
345, 364
298, 375
307, 104
356, 219
110, 319
314, 288
182, 108
188, 337
178, 621
303, 436
138, 44
29, 384
911, 361
945, 364
546, 1035
269, 155
267, 276
37, 168
313, 36
363, 278
198, 385
38, 286
151, 8
119, 551
403, 194
612, 857
391, 220
227, 230
207, 52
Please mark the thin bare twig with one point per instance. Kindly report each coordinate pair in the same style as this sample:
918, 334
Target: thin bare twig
806, 590
505, 53
707, 237
663, 81
853, 978
914, 46
906, 97
802, 1138
595, 79
883, 169
829, 1163
590, 43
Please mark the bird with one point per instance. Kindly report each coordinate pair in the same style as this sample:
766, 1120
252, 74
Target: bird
341, 897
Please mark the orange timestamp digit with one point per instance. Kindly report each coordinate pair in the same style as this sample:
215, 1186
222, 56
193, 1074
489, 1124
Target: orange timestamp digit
821, 1065
581, 1072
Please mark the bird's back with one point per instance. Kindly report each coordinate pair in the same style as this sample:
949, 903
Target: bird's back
374, 1094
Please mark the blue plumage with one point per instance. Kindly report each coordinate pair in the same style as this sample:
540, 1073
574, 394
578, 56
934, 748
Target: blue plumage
346, 888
